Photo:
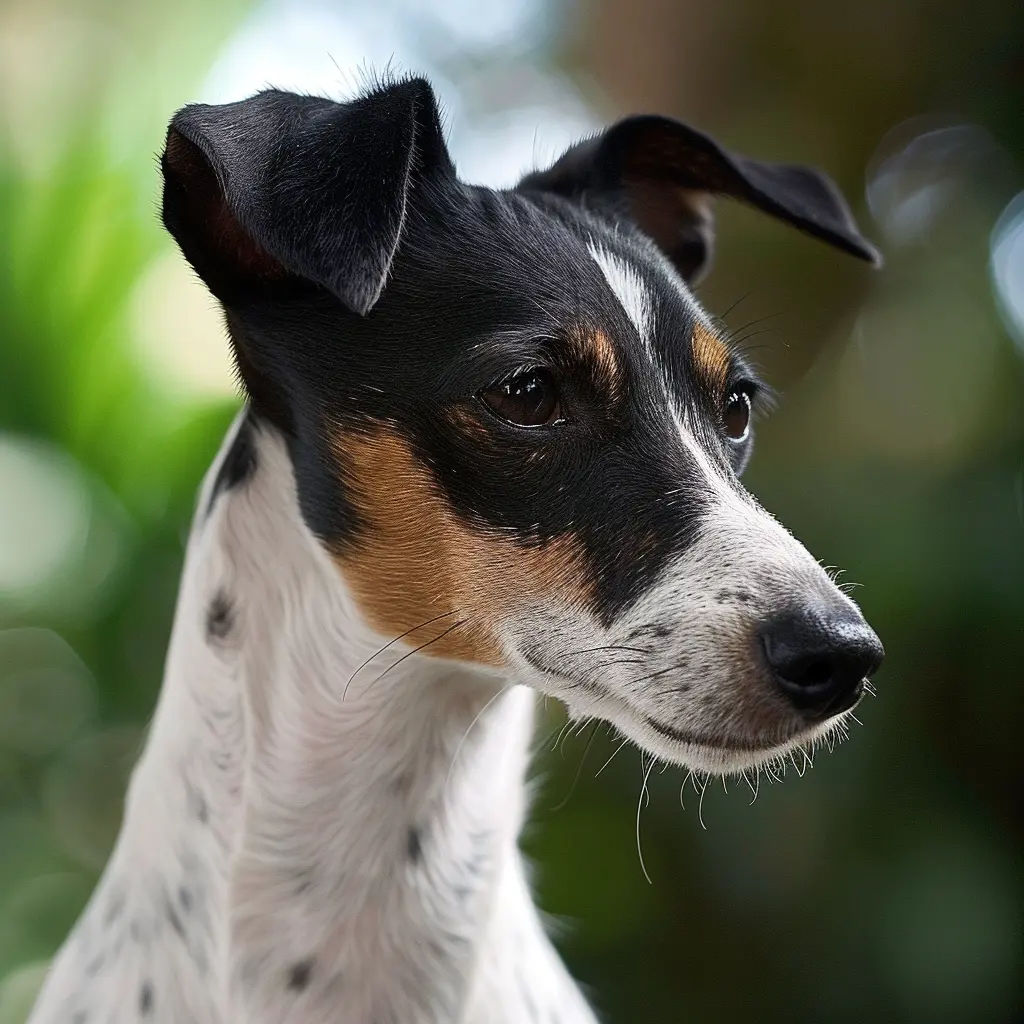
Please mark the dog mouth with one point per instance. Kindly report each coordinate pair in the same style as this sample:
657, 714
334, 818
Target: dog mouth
718, 753
693, 739
751, 741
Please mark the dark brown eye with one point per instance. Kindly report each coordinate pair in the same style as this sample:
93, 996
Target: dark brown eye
736, 416
529, 398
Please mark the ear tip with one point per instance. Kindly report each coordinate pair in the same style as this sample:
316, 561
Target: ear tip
409, 85
870, 253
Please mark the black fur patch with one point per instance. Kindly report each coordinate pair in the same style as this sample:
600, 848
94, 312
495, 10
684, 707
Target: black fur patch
415, 845
220, 617
185, 898
239, 464
196, 801
146, 997
299, 974
174, 918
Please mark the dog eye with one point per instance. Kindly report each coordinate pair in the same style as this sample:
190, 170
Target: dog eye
528, 398
736, 416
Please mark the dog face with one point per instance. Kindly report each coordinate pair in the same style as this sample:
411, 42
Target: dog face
512, 425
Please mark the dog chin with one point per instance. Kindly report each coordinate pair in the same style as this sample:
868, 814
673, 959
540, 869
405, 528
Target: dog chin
705, 754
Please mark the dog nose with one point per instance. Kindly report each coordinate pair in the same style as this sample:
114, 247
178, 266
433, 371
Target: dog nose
820, 659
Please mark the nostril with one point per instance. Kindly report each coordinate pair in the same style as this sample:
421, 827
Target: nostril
819, 661
817, 672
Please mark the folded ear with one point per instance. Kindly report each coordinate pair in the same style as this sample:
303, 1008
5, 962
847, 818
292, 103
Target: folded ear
662, 175
282, 188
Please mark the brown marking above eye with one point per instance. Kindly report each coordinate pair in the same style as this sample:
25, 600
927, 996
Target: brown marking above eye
416, 567
711, 358
594, 349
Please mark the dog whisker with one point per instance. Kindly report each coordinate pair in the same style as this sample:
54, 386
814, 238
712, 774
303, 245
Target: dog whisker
613, 647
700, 804
390, 643
562, 732
465, 735
641, 803
416, 650
579, 768
611, 758
654, 675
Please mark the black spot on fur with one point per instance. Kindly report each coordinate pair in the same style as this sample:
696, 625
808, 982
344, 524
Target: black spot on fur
415, 845
175, 919
220, 617
146, 999
197, 805
79, 1017
299, 974
185, 898
239, 463
401, 785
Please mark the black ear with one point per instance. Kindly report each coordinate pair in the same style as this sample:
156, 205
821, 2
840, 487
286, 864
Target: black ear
282, 189
662, 175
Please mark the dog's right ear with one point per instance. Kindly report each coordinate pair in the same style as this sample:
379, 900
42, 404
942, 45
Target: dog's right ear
278, 189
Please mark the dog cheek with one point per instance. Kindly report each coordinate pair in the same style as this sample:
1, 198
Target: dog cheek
418, 570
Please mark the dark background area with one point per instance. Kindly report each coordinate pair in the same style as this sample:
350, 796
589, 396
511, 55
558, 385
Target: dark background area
883, 885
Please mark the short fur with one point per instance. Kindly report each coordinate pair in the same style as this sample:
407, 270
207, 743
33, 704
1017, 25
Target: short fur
323, 826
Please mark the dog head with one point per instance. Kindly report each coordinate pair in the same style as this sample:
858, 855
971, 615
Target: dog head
512, 425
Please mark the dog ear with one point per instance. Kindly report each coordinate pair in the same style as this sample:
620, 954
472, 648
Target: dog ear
663, 175
279, 189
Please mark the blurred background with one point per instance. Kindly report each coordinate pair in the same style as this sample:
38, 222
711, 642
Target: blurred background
884, 885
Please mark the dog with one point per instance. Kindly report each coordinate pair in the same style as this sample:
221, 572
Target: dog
491, 447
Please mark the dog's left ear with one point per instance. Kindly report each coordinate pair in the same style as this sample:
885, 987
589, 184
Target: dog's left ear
281, 190
663, 175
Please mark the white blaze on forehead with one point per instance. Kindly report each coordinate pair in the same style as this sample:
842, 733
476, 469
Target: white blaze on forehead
628, 288
631, 291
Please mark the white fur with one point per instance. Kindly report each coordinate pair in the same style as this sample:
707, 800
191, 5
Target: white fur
283, 807
628, 287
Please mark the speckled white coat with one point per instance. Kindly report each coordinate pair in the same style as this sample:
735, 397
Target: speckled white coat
304, 842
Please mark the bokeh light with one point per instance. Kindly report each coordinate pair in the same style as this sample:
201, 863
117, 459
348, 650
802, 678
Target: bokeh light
1008, 266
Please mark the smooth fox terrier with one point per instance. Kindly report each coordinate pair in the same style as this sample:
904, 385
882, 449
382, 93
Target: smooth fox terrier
490, 449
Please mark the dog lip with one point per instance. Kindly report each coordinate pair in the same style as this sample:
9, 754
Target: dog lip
684, 736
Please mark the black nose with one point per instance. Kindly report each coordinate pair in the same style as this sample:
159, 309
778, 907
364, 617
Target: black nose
820, 658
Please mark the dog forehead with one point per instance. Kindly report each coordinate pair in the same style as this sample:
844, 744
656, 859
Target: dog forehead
664, 312
487, 262
567, 260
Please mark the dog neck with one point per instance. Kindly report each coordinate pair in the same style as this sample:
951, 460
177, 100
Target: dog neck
318, 830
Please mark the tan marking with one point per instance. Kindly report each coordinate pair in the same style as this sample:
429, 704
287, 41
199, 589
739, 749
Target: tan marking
711, 357
595, 349
414, 560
